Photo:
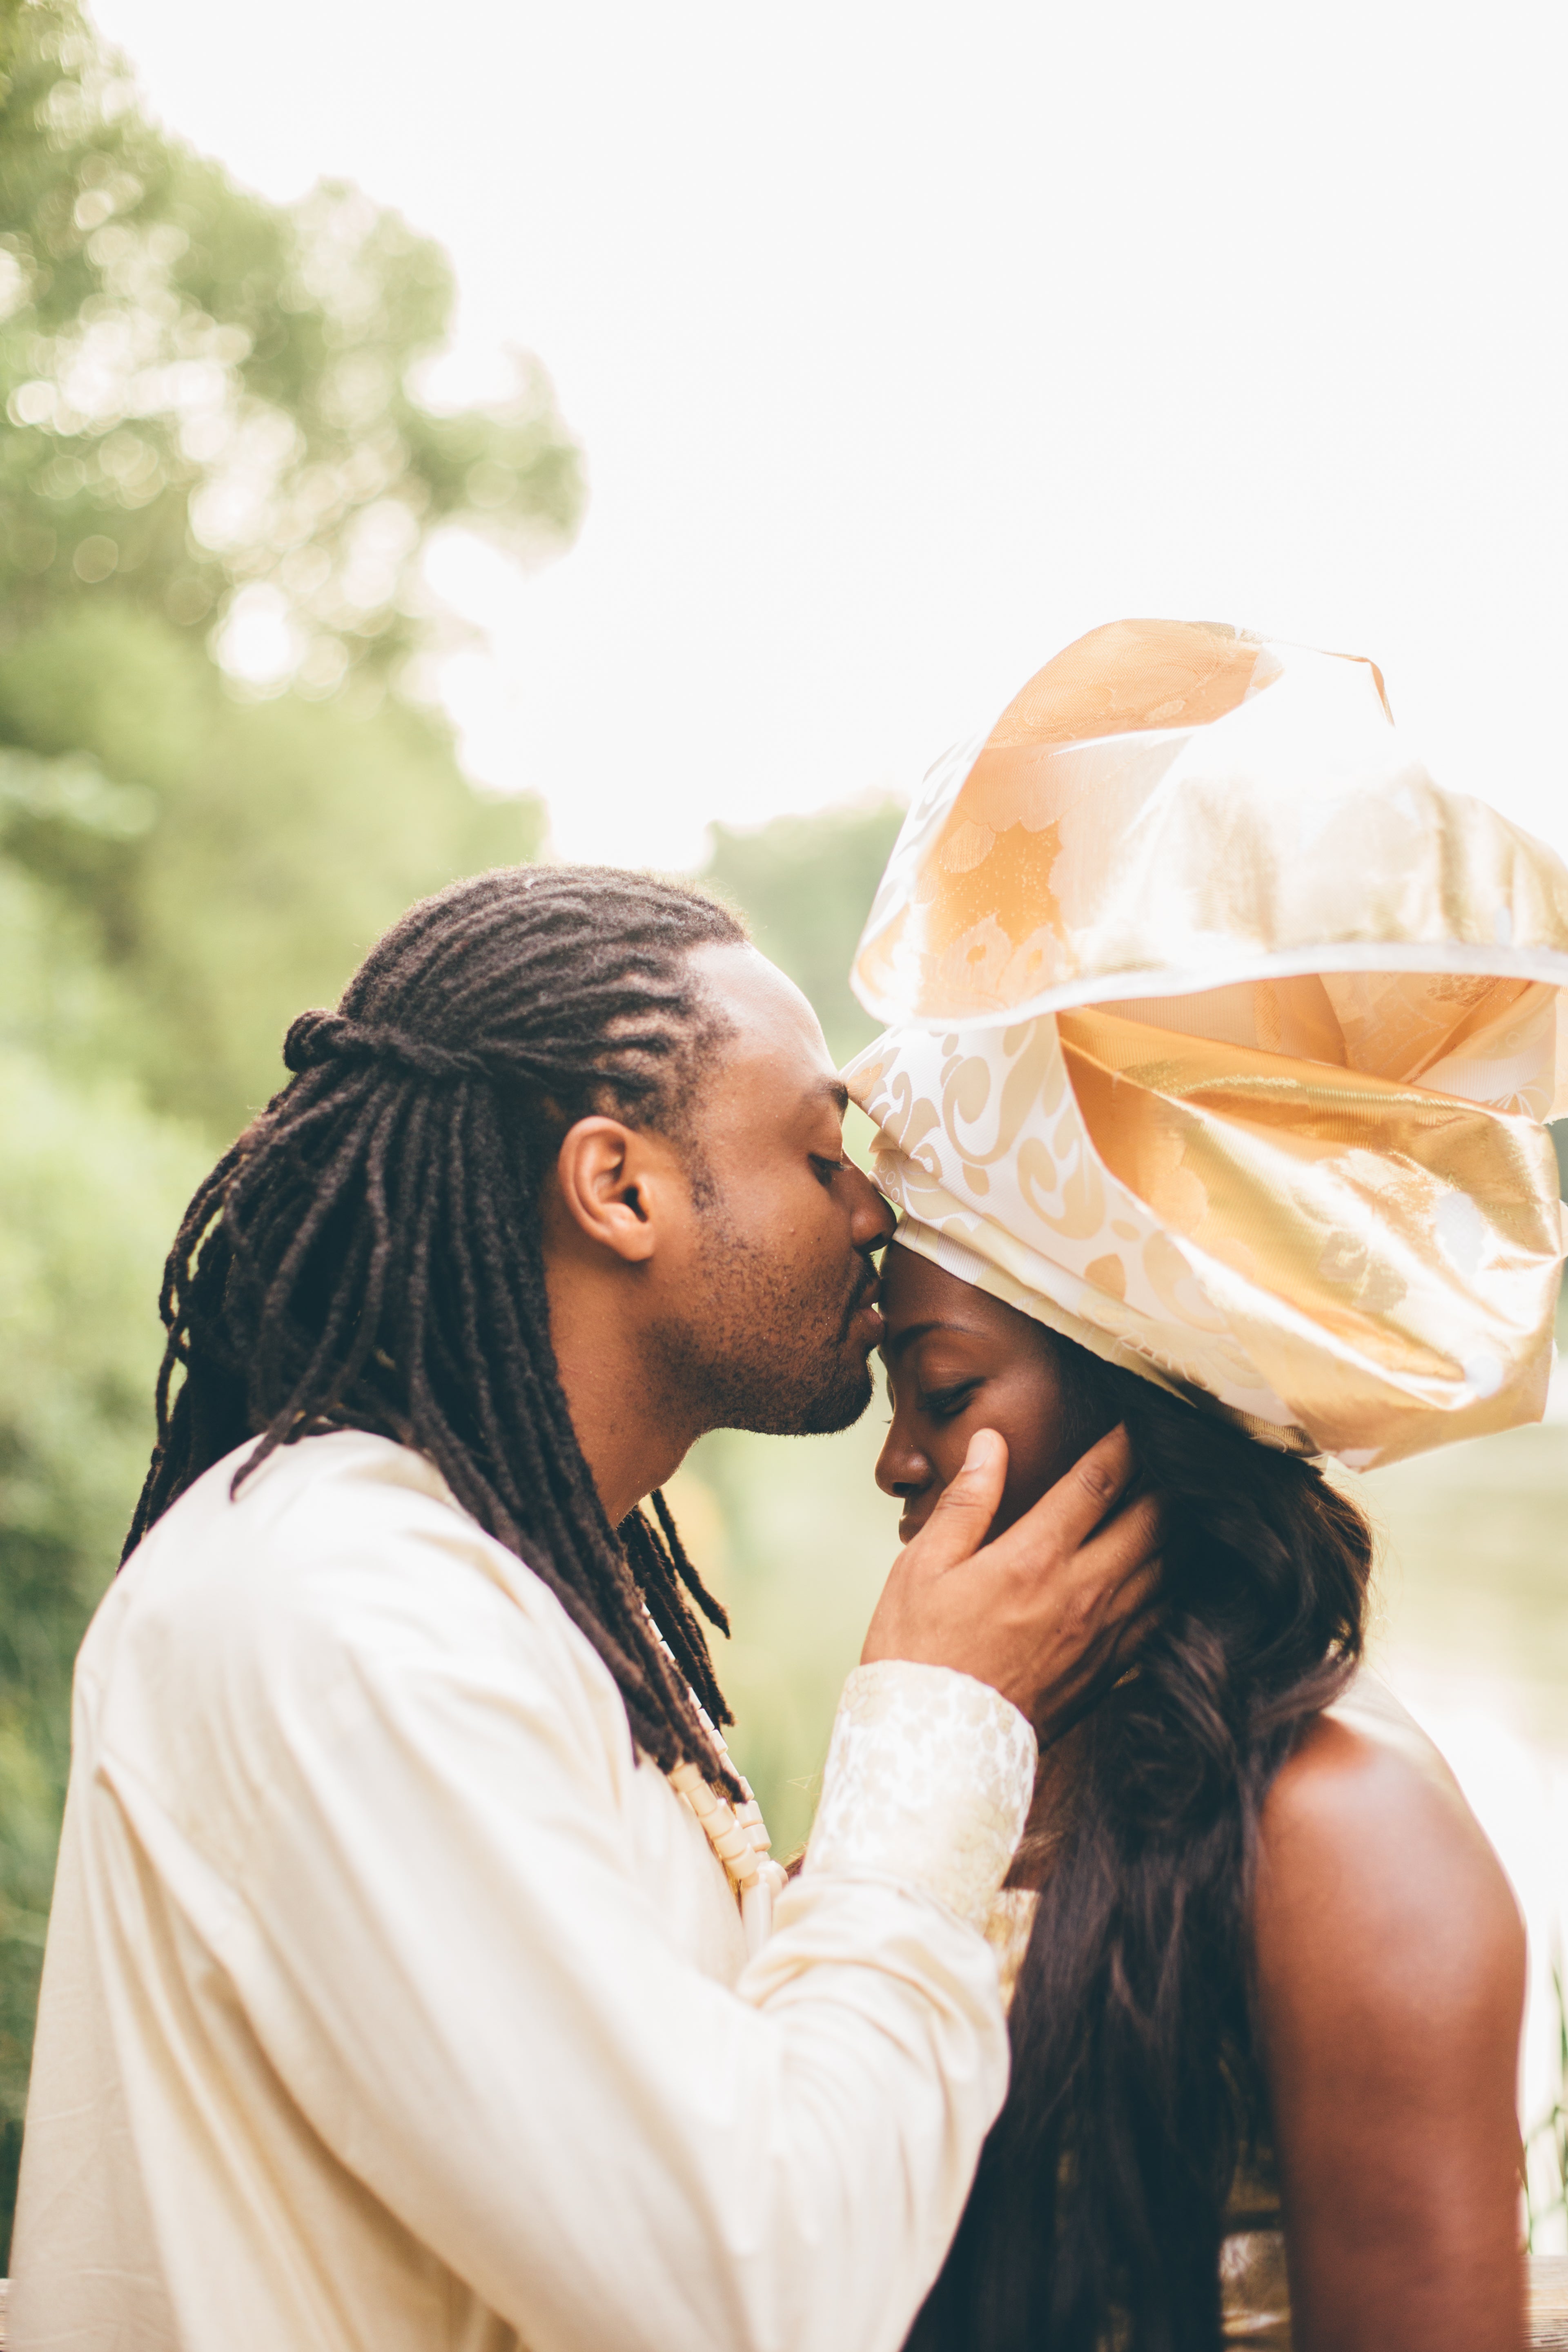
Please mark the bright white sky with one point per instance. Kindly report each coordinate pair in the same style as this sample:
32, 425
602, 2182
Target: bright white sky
908, 341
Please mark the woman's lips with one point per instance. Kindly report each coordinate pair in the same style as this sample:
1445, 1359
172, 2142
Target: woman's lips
912, 1522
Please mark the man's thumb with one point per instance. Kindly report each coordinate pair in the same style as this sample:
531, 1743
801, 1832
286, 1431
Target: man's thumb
961, 1519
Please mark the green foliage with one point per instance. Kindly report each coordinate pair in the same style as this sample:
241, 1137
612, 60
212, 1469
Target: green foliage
90, 1184
209, 411
209, 403
806, 887
206, 392
232, 862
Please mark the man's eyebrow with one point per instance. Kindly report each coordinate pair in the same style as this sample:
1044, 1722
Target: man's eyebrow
833, 1089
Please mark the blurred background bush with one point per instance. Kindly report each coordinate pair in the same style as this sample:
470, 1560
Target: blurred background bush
209, 449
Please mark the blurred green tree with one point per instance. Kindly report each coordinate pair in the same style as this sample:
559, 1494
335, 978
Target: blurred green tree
806, 885
212, 450
217, 782
210, 394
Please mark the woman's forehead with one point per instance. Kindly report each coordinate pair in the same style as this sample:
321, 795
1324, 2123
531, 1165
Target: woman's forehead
915, 1292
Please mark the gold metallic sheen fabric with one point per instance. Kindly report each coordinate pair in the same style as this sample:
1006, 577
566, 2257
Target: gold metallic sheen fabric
1170, 805
1223, 1040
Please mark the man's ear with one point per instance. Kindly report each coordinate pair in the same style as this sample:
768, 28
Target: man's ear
615, 1182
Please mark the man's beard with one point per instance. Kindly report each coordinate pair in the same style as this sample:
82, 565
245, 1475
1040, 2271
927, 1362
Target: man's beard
760, 1352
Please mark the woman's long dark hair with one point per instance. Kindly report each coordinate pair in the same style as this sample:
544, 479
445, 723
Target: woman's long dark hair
369, 1254
1097, 2214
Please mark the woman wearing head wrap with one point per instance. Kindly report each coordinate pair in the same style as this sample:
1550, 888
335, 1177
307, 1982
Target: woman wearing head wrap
1221, 1043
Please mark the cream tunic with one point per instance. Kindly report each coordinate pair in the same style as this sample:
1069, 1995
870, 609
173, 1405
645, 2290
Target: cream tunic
389, 2003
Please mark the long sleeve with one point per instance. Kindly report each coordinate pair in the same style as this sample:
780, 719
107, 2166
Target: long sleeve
407, 1862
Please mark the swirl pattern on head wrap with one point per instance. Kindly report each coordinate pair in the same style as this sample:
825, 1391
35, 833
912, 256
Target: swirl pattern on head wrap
1222, 1041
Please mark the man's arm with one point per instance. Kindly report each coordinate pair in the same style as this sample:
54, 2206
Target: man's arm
455, 1969
452, 1965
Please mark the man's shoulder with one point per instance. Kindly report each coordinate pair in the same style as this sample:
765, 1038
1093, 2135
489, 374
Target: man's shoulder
343, 1546
281, 1657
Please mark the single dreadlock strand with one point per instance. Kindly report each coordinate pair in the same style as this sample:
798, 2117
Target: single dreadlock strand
662, 1599
368, 1329
654, 1564
322, 1367
270, 1372
714, 1610
356, 1317
205, 1204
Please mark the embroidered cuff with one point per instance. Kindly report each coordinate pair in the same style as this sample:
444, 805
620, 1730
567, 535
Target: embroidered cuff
928, 1782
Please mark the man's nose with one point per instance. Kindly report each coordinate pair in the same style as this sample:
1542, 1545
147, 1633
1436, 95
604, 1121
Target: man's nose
871, 1219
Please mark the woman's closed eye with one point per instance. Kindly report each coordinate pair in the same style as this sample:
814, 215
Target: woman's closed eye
946, 1404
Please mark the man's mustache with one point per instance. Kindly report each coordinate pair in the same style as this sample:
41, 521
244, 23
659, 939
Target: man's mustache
869, 1282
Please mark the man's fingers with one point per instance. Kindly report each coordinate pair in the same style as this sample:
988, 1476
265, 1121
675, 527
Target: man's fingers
1131, 1614
1068, 1513
1131, 1609
1125, 1544
964, 1510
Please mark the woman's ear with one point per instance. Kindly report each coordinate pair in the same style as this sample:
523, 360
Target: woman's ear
616, 1185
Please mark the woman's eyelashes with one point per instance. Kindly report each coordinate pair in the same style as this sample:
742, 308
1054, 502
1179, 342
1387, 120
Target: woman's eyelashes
946, 1404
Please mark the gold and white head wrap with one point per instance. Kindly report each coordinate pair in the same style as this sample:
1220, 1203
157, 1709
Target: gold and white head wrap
1221, 1041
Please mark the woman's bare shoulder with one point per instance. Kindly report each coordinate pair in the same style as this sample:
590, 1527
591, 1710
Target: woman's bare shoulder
1390, 1985
1366, 1846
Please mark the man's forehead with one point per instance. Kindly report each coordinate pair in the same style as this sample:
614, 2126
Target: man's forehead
774, 1054
768, 1016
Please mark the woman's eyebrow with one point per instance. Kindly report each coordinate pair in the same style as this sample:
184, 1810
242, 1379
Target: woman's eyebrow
895, 1345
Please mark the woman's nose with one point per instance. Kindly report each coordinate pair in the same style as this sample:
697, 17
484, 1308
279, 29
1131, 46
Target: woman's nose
902, 1469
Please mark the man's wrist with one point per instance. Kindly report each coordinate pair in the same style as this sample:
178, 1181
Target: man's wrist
928, 1782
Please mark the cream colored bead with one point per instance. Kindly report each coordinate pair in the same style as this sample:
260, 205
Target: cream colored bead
737, 1833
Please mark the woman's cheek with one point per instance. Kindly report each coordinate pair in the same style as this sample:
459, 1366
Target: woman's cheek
948, 1446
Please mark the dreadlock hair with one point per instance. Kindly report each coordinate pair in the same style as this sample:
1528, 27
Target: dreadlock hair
368, 1255
1098, 2211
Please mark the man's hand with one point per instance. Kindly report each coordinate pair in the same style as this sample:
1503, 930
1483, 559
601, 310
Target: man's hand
1049, 1614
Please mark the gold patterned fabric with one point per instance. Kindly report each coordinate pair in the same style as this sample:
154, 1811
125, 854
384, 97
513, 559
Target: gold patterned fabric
1222, 1040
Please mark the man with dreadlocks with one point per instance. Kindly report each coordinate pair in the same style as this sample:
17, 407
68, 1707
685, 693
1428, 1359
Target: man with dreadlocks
396, 1994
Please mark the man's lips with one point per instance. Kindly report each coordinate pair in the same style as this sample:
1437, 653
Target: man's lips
864, 1303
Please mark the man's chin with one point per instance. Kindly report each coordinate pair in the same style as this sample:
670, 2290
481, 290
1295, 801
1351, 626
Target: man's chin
832, 1409
840, 1407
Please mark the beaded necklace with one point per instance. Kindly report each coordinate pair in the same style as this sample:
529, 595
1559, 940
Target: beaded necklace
737, 1833
738, 1836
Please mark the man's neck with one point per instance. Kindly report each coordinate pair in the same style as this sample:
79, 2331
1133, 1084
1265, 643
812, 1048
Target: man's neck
634, 1435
